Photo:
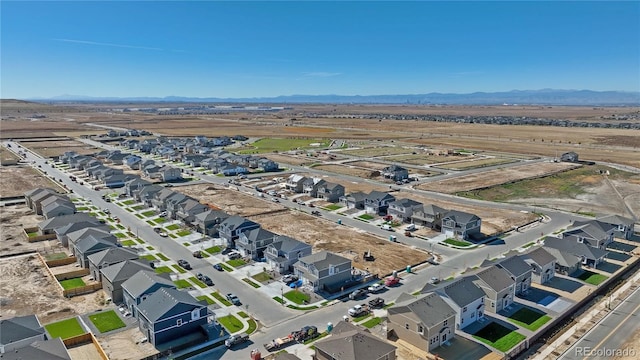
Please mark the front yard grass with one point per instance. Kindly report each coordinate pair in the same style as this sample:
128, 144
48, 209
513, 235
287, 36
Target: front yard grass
179, 268
183, 233
205, 298
251, 283
159, 220
231, 323
213, 250
149, 257
262, 277
129, 202
372, 322
128, 243
182, 284
366, 217
297, 297
163, 269
162, 257
221, 299
65, 329
225, 267
106, 321
236, 262
499, 337
529, 319
592, 278
197, 282
455, 242
148, 213
120, 235
72, 283
173, 227
333, 207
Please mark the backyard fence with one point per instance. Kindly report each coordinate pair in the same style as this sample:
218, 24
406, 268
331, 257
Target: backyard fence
72, 274
36, 238
61, 262
81, 290
86, 339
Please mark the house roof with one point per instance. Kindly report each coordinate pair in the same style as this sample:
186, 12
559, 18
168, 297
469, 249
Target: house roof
428, 309
592, 229
211, 215
59, 221
406, 203
575, 248
348, 342
19, 328
113, 255
286, 356
99, 232
540, 256
394, 168
58, 204
52, 349
287, 244
376, 195
357, 196
463, 291
258, 234
32, 193
235, 221
142, 281
164, 301
433, 209
321, 260
563, 258
515, 265
76, 227
123, 270
91, 242
616, 220
55, 198
495, 277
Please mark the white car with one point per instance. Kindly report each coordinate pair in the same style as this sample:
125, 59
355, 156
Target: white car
375, 288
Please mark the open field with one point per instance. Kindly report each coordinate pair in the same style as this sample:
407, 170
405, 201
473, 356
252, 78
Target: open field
290, 159
476, 163
279, 145
7, 156
59, 147
495, 177
233, 202
366, 164
12, 220
349, 170
422, 159
351, 243
16, 180
377, 151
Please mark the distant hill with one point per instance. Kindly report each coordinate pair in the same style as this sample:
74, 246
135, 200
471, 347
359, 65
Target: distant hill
514, 97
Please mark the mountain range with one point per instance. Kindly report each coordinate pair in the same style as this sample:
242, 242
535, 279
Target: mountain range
514, 97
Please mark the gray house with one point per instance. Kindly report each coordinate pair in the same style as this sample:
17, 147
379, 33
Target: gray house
324, 271
589, 256
90, 245
48, 226
101, 233
31, 194
543, 265
402, 209
565, 263
498, 286
231, 228
109, 257
36, 199
461, 225
62, 233
593, 233
519, 271
295, 183
284, 252
377, 202
354, 200
115, 275
19, 332
252, 243
168, 314
57, 206
348, 341
147, 193
466, 298
426, 321
52, 349
622, 227
395, 173
142, 284
329, 191
429, 216
207, 222
188, 210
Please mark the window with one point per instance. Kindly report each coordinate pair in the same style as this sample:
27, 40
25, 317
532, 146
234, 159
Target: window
493, 304
461, 320
406, 326
445, 322
420, 329
464, 309
179, 322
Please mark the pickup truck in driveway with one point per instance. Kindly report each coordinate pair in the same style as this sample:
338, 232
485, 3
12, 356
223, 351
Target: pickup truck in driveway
236, 339
358, 310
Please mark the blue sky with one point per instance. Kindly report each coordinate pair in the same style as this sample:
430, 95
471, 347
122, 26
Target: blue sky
250, 49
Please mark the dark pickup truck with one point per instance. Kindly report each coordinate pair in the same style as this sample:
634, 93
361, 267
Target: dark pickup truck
376, 303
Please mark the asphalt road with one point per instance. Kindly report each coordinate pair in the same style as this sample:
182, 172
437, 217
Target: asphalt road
610, 334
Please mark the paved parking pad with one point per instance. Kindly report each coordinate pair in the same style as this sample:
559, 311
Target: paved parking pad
462, 349
558, 305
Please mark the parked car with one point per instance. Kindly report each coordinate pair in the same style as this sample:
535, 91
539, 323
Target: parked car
236, 339
376, 303
207, 280
218, 267
387, 218
163, 214
275, 200
197, 254
106, 199
358, 310
199, 276
157, 229
185, 264
391, 280
288, 279
226, 250
163, 234
233, 299
357, 294
387, 227
234, 255
375, 288
434, 280
316, 213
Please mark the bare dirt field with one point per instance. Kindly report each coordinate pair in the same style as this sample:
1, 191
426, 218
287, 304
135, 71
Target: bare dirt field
326, 235
475, 163
377, 151
122, 345
26, 288
495, 177
289, 159
232, 201
12, 221
56, 148
84, 352
421, 159
16, 180
349, 170
367, 164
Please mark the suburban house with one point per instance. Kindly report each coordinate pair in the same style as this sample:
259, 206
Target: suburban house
569, 157
310, 186
395, 173
188, 210
543, 265
134, 186
589, 256
52, 349
167, 173
426, 321
330, 192
622, 227
54, 206
29, 196
19, 332
429, 216
109, 257
232, 170
35, 197
348, 341
62, 233
90, 245
295, 183
268, 165
160, 197
402, 209
77, 235
565, 263
497, 286
231, 228
324, 271
116, 180
142, 284
593, 233
461, 225
147, 193
168, 314
466, 298
252, 243
284, 251
377, 202
519, 271
115, 275
354, 200
49, 225
207, 222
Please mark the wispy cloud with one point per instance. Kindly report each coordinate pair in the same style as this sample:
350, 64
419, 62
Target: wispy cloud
321, 74
96, 43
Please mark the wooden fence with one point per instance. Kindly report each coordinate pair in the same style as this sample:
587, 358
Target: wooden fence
81, 290
72, 274
60, 262
85, 339
36, 238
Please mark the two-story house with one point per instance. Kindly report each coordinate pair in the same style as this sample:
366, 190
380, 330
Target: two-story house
429, 216
207, 222
426, 321
542, 263
252, 243
115, 275
98, 232
466, 298
348, 341
461, 225
188, 210
90, 245
395, 173
284, 251
62, 233
589, 256
109, 257
377, 202
330, 192
354, 200
622, 227
402, 209
324, 270
142, 284
231, 228
295, 183
310, 186
498, 287
593, 233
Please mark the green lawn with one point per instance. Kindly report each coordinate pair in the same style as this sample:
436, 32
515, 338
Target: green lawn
221, 299
529, 319
128, 243
148, 213
197, 282
252, 326
172, 236
243, 314
72, 283
361, 317
182, 284
138, 207
205, 298
106, 321
186, 244
150, 248
120, 235
279, 145
162, 257
213, 250
163, 269
65, 329
183, 233
149, 257
120, 226
366, 217
179, 268
139, 216
251, 283
129, 209
320, 336
173, 227
333, 207
159, 221
129, 202
455, 242
82, 208
297, 297
32, 234
499, 336
150, 222
231, 323
262, 277
236, 262
592, 278
372, 322
225, 267
56, 256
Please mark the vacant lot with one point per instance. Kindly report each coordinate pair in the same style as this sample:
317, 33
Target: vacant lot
326, 235
16, 180
476, 163
121, 345
349, 170
367, 164
290, 159
422, 159
59, 147
280, 145
377, 151
12, 220
495, 177
232, 201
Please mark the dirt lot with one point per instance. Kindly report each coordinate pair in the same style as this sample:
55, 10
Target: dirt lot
16, 180
26, 288
478, 162
422, 159
495, 177
12, 220
367, 164
349, 170
56, 148
290, 159
326, 235
378, 151
122, 345
231, 201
